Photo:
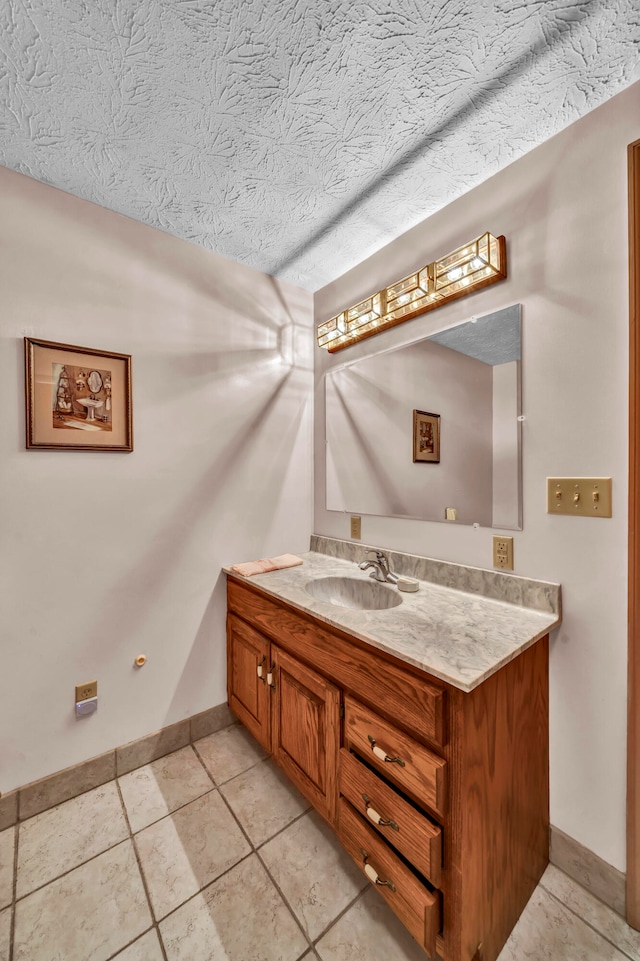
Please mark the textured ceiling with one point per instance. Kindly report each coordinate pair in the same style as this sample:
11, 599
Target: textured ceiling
296, 136
493, 339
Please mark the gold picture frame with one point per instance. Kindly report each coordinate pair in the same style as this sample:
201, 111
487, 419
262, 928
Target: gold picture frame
426, 437
77, 398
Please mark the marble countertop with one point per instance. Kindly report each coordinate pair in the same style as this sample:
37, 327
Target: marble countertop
460, 637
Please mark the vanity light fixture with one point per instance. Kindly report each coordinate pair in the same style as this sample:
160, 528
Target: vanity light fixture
472, 266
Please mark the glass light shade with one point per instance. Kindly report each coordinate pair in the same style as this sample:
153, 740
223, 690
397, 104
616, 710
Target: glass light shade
474, 265
463, 268
406, 296
365, 311
331, 330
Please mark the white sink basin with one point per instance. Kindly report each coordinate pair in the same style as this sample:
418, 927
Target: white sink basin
354, 592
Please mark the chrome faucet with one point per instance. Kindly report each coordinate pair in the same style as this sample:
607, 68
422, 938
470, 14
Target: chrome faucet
381, 568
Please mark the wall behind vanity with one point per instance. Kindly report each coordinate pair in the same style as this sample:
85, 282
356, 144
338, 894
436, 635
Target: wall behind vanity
563, 210
109, 555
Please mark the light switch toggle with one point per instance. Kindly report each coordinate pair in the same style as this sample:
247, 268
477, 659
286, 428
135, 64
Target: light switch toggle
584, 496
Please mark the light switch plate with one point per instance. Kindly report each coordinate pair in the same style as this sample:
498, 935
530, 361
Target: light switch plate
583, 496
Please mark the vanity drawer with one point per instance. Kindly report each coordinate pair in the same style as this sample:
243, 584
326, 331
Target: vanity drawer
410, 832
408, 763
417, 907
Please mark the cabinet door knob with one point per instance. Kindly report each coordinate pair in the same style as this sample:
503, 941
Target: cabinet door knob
383, 754
373, 815
270, 680
373, 875
259, 670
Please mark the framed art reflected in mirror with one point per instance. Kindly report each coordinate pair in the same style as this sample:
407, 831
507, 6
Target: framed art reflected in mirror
426, 437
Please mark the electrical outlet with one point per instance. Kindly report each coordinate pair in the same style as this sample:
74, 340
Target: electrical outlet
87, 690
356, 527
503, 553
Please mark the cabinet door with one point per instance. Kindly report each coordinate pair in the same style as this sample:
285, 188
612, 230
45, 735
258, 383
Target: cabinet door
247, 667
306, 730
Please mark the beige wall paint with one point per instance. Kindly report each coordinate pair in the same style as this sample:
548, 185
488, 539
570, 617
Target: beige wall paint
563, 209
506, 445
108, 555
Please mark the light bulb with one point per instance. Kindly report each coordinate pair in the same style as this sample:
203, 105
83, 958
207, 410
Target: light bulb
455, 274
477, 263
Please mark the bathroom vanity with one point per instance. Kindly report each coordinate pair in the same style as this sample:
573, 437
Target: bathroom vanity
418, 731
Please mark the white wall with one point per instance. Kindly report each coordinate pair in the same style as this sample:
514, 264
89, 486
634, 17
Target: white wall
506, 445
107, 555
563, 210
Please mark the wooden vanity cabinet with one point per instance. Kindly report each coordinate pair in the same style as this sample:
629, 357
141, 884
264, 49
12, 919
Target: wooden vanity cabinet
305, 730
440, 796
248, 663
293, 711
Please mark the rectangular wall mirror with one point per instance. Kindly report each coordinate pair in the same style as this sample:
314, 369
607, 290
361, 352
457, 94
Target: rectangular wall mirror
469, 378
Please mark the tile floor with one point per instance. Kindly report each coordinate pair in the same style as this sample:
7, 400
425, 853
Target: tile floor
209, 854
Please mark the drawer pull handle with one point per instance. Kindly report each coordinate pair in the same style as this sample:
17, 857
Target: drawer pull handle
259, 670
270, 680
373, 815
373, 875
383, 754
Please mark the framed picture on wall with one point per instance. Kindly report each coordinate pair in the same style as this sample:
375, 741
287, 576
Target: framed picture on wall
426, 437
77, 398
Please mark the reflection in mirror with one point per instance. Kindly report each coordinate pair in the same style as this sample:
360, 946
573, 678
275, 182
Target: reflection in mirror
94, 382
470, 377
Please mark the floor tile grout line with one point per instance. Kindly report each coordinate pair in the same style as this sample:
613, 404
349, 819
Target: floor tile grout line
280, 831
286, 903
255, 847
75, 867
133, 834
132, 837
253, 850
314, 941
342, 913
141, 872
200, 891
588, 923
252, 846
218, 783
129, 944
206, 769
237, 820
173, 811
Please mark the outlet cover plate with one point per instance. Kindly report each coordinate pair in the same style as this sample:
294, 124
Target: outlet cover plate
86, 690
503, 552
584, 496
356, 527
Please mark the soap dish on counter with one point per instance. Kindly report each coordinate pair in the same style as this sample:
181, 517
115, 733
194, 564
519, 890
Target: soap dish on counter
408, 584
